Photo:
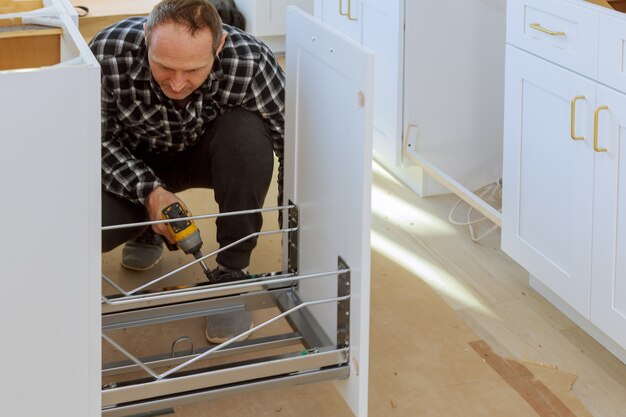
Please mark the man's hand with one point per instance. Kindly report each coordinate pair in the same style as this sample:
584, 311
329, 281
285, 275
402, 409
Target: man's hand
157, 200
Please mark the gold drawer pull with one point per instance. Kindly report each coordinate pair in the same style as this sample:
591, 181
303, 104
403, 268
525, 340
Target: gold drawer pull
595, 128
573, 119
537, 26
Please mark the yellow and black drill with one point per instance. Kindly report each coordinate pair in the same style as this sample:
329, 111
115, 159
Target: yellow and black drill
185, 233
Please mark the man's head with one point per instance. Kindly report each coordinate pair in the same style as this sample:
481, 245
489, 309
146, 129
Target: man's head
183, 38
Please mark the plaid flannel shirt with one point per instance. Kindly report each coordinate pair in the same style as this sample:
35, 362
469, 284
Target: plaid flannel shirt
136, 115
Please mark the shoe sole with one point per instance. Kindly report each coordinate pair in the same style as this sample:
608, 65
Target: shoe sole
220, 340
134, 268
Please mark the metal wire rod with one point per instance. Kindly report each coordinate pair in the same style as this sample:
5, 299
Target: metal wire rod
220, 287
199, 217
248, 332
114, 284
195, 261
130, 356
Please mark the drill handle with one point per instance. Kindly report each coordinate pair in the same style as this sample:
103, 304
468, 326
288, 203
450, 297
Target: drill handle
171, 246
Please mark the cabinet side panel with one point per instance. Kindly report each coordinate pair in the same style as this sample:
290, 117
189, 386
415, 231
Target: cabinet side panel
382, 32
50, 263
453, 83
328, 135
612, 52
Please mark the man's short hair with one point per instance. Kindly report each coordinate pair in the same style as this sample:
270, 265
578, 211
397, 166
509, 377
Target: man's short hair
195, 15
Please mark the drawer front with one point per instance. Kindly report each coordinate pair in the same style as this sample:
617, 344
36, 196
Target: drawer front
612, 59
557, 30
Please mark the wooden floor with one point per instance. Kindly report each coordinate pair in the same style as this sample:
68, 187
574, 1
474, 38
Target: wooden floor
455, 329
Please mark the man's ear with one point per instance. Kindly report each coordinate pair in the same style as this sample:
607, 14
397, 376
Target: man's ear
145, 38
221, 45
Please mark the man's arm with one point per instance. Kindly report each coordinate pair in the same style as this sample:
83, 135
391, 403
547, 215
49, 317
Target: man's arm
127, 176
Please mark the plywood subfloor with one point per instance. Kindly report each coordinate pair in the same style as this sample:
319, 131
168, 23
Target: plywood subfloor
435, 297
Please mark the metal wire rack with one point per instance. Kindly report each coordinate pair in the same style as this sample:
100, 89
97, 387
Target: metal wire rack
306, 353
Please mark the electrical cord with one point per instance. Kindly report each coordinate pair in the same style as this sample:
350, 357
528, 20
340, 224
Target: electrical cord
494, 192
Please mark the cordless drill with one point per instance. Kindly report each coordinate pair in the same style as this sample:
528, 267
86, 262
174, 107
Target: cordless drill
185, 233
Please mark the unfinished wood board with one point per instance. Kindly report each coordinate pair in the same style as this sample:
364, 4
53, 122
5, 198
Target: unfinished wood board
16, 6
29, 48
15, 21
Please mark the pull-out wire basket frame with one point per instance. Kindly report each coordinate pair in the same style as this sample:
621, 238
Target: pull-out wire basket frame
316, 355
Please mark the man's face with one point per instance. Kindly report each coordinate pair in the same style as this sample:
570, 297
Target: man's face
179, 62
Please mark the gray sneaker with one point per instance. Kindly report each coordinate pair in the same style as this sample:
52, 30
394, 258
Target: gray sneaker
225, 326
143, 252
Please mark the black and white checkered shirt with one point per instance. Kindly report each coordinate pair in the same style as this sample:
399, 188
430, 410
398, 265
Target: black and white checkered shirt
136, 115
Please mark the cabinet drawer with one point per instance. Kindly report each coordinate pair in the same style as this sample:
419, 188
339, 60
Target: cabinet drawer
612, 59
558, 31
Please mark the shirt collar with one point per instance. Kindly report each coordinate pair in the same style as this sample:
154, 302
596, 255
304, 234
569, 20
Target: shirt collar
217, 73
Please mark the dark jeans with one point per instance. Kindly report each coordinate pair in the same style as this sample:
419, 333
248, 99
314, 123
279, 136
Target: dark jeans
235, 158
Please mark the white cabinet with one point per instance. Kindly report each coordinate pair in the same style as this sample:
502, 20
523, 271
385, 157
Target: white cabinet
439, 83
265, 19
563, 194
50, 181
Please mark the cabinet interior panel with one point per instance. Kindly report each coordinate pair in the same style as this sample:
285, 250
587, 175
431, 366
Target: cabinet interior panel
327, 185
386, 103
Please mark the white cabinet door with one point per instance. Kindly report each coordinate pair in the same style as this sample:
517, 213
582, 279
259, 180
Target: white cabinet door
608, 303
342, 15
548, 176
328, 176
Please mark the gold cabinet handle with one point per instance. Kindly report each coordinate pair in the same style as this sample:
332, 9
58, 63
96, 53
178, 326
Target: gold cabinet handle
573, 119
349, 13
537, 26
595, 128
